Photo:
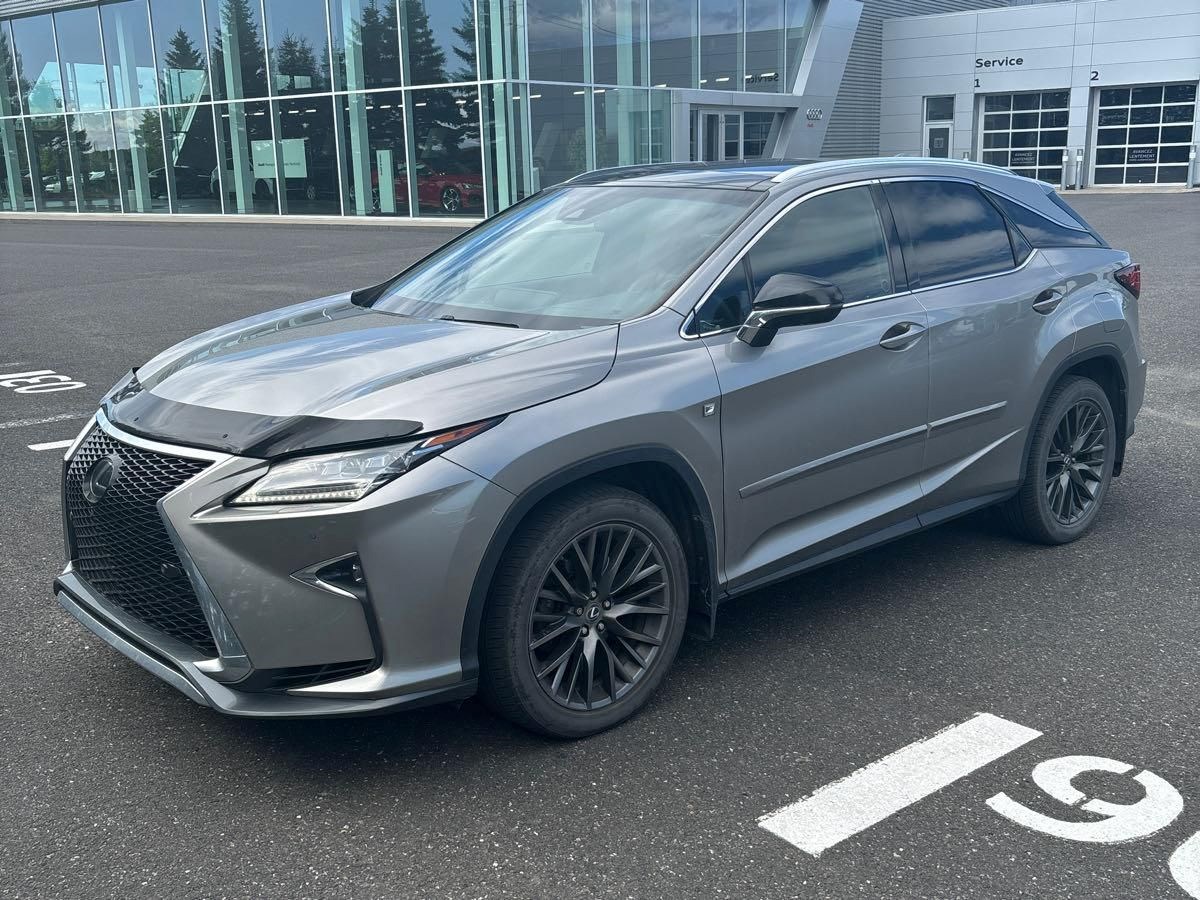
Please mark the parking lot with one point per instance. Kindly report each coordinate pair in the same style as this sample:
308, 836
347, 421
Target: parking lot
114, 784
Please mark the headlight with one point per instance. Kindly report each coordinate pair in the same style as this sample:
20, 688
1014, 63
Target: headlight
348, 475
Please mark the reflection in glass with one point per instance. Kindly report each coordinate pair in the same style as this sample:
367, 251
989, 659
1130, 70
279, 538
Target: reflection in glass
37, 65
248, 153
373, 145
95, 162
619, 42
559, 146
622, 123
366, 44
16, 192
84, 79
660, 126
10, 91
127, 49
298, 46
765, 44
720, 45
439, 41
505, 153
50, 163
800, 15
307, 152
501, 39
191, 163
556, 39
140, 157
182, 61
239, 67
673, 31
445, 153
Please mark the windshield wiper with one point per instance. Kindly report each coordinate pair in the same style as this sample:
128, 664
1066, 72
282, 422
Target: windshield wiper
479, 321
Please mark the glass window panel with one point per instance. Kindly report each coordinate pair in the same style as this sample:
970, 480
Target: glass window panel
1172, 174
307, 151
50, 162
1110, 175
16, 191
1026, 101
1114, 97
766, 42
660, 126
1145, 115
366, 44
1024, 138
1141, 155
728, 306
1054, 119
939, 109
1050, 158
1110, 156
996, 157
191, 159
622, 127
10, 91
720, 45
1023, 157
501, 36
995, 139
1111, 136
439, 41
140, 157
298, 46
1054, 138
182, 52
446, 152
1173, 154
37, 64
756, 133
997, 103
1143, 135
1179, 113
132, 80
559, 145
1025, 120
373, 158
1025, 173
504, 151
618, 42
248, 157
1050, 176
673, 31
84, 79
997, 122
1149, 94
1179, 93
1114, 116
1176, 134
556, 39
800, 15
95, 161
1056, 99
239, 67
1139, 175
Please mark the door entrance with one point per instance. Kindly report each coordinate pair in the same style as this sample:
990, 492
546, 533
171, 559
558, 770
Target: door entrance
938, 141
717, 135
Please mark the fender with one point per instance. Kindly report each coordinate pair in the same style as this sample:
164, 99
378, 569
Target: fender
1098, 351
652, 453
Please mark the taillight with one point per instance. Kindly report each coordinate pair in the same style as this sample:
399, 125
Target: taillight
1130, 278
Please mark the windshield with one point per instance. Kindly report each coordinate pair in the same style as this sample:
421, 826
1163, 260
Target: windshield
571, 258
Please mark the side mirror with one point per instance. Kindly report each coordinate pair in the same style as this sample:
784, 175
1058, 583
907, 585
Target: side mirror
789, 299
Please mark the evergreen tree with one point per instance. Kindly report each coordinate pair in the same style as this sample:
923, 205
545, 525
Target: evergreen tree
439, 121
182, 61
294, 58
235, 16
465, 51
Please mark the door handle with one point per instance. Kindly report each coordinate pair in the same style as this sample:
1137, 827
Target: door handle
1048, 300
901, 336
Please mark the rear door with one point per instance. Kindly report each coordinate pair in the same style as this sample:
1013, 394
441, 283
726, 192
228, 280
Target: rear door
823, 430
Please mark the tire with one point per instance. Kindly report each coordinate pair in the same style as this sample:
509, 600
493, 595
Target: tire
530, 620
451, 200
1083, 473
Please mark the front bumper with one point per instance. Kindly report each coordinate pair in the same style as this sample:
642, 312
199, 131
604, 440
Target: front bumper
420, 540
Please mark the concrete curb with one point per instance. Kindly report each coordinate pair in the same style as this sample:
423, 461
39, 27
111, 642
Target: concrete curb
164, 218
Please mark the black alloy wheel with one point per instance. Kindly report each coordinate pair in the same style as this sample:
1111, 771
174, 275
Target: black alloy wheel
1075, 462
451, 199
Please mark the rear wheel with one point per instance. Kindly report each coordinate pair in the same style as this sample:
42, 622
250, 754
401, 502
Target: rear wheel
586, 613
1070, 465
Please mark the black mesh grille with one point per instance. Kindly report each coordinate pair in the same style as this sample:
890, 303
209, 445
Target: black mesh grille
120, 543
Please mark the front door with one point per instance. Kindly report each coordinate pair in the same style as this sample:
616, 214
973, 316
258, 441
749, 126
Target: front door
718, 135
824, 428
938, 141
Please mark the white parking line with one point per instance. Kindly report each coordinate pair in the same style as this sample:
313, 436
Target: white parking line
52, 445
24, 423
864, 798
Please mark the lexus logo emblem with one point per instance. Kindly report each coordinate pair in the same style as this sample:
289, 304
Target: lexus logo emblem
99, 477
593, 613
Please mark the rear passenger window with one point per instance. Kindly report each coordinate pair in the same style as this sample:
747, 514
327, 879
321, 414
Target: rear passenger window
1040, 231
952, 231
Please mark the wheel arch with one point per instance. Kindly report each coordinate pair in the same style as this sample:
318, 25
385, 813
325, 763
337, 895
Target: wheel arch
658, 473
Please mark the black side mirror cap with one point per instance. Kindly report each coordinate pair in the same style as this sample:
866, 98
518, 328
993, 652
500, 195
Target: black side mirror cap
789, 299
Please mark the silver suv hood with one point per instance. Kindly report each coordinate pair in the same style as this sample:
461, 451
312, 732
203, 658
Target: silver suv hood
332, 360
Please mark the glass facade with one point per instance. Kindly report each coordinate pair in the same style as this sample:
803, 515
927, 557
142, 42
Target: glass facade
363, 107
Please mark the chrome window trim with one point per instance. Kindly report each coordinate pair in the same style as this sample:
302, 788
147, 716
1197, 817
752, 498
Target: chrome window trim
156, 446
886, 180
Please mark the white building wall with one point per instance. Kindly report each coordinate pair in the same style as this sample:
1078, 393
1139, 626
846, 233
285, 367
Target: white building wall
1081, 46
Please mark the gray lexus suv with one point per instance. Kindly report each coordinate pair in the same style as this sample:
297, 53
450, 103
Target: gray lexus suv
527, 464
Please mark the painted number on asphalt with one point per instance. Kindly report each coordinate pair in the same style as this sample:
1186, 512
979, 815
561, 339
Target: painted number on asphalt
42, 381
844, 808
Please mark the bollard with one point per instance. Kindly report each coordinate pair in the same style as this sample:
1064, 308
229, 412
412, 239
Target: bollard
1193, 171
1079, 170
1064, 180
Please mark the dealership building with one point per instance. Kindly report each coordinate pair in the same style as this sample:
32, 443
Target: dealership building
436, 108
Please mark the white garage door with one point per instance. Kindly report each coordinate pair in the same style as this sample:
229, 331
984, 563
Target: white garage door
1143, 134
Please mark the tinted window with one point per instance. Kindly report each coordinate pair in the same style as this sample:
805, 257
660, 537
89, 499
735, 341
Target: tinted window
1040, 231
953, 232
727, 306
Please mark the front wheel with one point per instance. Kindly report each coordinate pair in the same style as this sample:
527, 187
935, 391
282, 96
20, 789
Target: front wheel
586, 613
1070, 465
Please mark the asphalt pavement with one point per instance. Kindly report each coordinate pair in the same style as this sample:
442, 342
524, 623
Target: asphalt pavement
113, 784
